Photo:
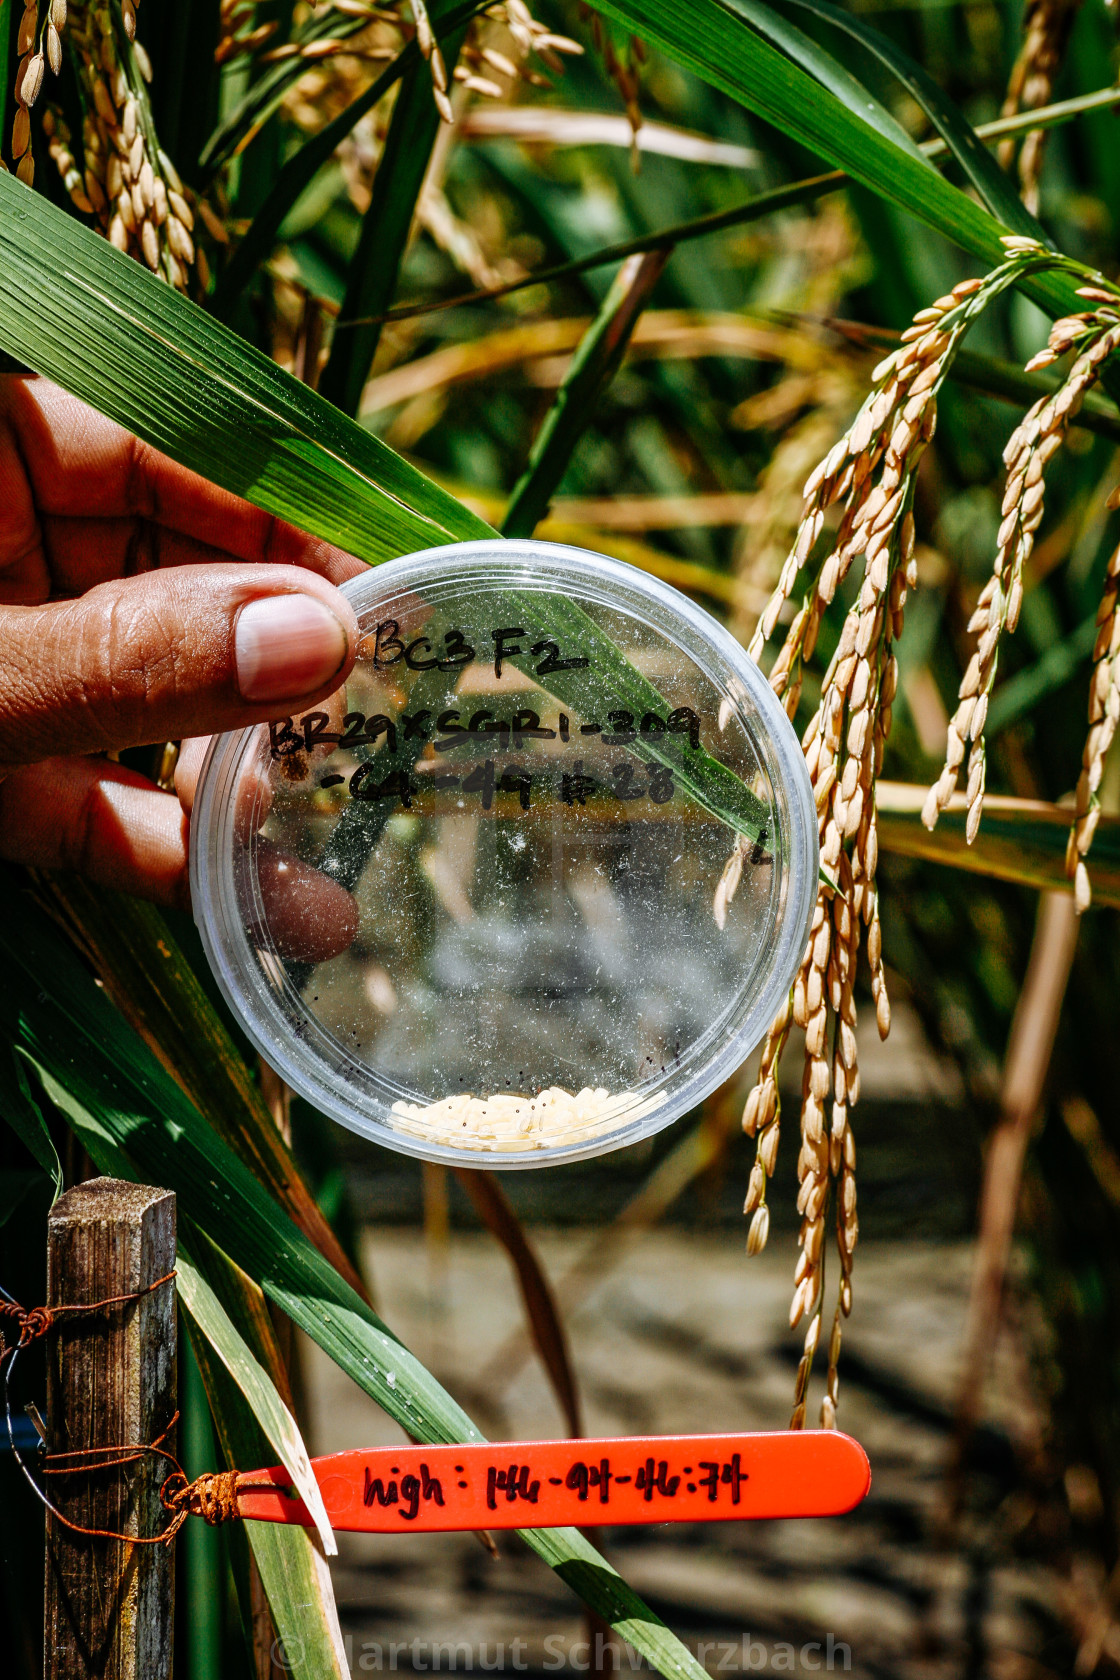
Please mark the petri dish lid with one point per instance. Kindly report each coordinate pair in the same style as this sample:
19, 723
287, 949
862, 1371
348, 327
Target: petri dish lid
533, 883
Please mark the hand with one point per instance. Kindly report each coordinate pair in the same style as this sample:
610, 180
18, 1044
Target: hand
139, 604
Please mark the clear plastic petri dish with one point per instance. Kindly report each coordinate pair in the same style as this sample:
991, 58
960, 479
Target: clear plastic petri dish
533, 883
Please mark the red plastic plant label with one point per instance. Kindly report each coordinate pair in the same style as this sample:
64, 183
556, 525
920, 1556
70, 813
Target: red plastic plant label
554, 1484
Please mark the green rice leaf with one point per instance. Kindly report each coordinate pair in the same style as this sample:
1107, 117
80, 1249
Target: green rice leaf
995, 188
292, 1567
257, 1386
149, 978
590, 371
715, 40
75, 309
828, 71
23, 1114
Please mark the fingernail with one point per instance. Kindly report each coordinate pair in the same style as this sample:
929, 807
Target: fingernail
285, 646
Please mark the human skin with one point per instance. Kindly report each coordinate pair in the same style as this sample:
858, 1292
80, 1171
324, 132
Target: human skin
139, 604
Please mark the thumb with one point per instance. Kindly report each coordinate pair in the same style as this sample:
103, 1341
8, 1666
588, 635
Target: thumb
185, 651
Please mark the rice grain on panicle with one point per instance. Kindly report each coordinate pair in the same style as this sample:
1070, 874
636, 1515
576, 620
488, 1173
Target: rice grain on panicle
1046, 31
1104, 713
870, 474
121, 177
869, 477
1095, 335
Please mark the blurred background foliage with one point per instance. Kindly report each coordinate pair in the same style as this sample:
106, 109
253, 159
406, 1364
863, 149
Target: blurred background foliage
752, 355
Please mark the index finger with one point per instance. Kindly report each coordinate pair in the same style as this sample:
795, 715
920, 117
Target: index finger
81, 465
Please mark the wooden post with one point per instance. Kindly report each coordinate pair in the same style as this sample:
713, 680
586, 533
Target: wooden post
110, 1380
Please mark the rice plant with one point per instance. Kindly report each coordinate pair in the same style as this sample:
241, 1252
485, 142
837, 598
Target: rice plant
763, 299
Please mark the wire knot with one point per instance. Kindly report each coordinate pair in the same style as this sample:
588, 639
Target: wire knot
32, 1322
212, 1496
